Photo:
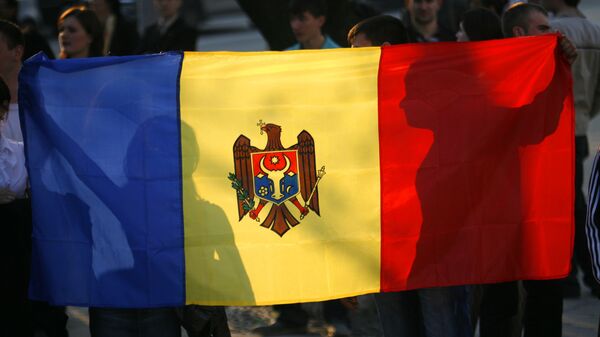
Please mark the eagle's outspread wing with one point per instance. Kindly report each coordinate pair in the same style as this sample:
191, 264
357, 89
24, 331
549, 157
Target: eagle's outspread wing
308, 170
243, 169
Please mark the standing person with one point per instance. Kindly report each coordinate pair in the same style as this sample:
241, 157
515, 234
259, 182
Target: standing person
544, 303
424, 24
12, 49
431, 312
494, 5
120, 36
497, 316
170, 32
15, 212
80, 36
79, 33
381, 30
592, 227
479, 24
451, 13
423, 312
586, 84
17, 208
34, 41
307, 18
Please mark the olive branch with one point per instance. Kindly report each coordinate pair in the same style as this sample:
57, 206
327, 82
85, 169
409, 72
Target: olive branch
242, 194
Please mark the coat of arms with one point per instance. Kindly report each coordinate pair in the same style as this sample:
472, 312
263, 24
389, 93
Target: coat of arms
277, 176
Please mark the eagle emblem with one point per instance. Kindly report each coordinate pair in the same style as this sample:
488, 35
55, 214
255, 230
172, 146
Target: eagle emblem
277, 176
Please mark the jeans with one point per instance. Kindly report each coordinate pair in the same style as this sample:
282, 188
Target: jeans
543, 309
499, 309
432, 312
156, 322
293, 315
204, 321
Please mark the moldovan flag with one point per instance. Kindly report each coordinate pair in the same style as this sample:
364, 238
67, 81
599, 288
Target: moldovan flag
275, 177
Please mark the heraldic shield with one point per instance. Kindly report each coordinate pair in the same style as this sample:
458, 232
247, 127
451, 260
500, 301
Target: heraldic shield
275, 175
278, 177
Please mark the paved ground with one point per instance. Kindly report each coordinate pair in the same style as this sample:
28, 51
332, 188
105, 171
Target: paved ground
580, 315
580, 319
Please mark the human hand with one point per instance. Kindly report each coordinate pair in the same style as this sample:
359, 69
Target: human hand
567, 48
7, 196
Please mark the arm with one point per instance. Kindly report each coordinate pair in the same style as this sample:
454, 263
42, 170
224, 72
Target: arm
567, 48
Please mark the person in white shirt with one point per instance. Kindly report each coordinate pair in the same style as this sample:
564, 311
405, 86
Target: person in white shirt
15, 206
15, 240
11, 51
13, 175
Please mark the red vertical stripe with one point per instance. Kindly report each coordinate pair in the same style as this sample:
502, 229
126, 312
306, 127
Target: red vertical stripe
476, 163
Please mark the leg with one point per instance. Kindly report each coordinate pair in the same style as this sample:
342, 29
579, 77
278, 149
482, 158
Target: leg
157, 322
364, 319
337, 315
398, 313
292, 320
499, 309
218, 323
292, 315
53, 319
543, 308
446, 311
204, 321
15, 249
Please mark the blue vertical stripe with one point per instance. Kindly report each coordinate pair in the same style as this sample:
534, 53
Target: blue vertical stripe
103, 150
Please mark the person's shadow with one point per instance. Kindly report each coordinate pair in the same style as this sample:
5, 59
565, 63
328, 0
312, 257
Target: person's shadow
125, 244
215, 271
469, 223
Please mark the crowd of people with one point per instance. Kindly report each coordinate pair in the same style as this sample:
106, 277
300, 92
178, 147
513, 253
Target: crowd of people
98, 29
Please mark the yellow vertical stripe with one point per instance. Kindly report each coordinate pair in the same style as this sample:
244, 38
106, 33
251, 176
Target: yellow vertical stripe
332, 94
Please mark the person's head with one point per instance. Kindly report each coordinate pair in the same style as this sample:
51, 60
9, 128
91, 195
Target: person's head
4, 100
525, 19
479, 24
423, 12
9, 10
377, 31
495, 5
307, 18
12, 46
167, 8
105, 8
79, 33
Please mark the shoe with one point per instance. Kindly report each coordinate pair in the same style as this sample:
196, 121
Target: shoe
341, 330
279, 329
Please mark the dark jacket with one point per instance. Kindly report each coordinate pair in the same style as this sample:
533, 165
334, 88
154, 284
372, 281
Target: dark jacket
442, 35
179, 36
125, 38
34, 43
